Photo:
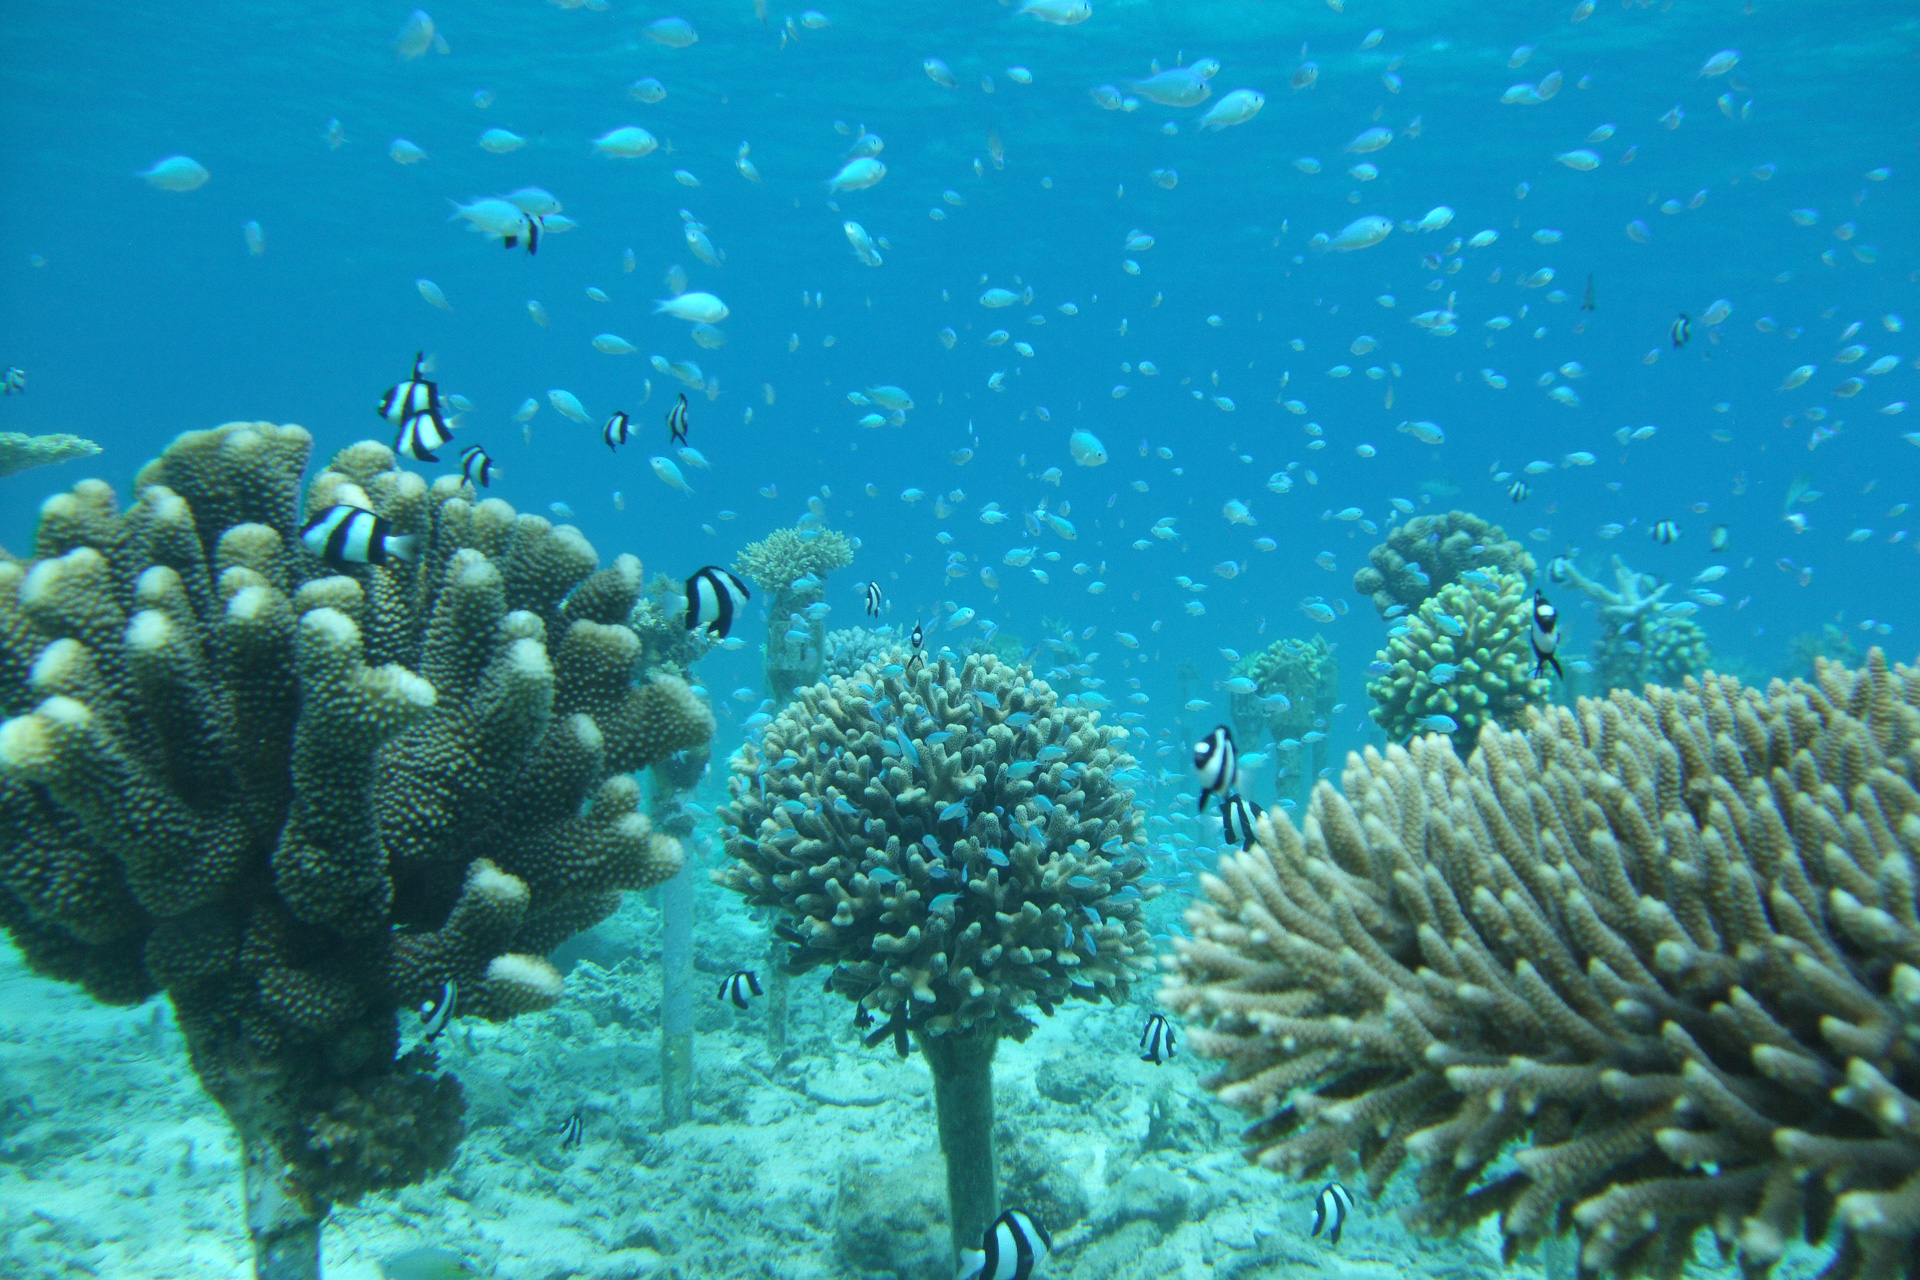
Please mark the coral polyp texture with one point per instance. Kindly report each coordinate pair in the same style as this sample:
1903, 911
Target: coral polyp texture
1428, 552
1464, 654
299, 797
22, 452
956, 843
1647, 968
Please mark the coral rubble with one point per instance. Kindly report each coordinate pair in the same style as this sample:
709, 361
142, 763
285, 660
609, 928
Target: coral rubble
1646, 968
1428, 552
299, 797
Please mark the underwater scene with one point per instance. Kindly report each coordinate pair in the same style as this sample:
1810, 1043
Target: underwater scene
974, 640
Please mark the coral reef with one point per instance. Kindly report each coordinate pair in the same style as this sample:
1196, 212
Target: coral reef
21, 452
1428, 552
850, 649
1829, 642
1464, 655
1646, 968
956, 845
1643, 638
1298, 681
792, 565
667, 644
299, 797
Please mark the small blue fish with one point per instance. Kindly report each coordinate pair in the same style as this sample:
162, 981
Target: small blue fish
1043, 804
906, 746
1442, 672
792, 806
1379, 668
1051, 752
939, 737
988, 699
1438, 723
1021, 769
943, 901
1479, 577
1081, 882
998, 858
933, 846
955, 812
1449, 624
1019, 720
1091, 914
883, 875
759, 720
845, 810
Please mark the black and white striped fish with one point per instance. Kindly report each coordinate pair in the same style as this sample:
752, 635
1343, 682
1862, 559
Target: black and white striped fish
1545, 638
533, 227
1666, 533
1014, 1245
1681, 330
1156, 1040
353, 535
616, 431
572, 1131
1237, 814
738, 985
1218, 762
476, 467
1330, 1210
875, 598
677, 420
1519, 492
419, 417
714, 596
435, 1013
14, 380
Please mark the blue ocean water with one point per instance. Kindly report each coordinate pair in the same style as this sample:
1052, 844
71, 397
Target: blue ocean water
138, 312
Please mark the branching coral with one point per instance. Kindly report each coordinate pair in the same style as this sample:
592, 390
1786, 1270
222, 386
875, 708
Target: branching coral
850, 649
1642, 636
298, 798
20, 452
792, 564
1662, 953
959, 845
1464, 655
1428, 552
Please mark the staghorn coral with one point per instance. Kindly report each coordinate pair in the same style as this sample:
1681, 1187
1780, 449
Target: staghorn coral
959, 846
1428, 552
22, 452
1479, 628
792, 564
297, 798
1648, 967
1642, 637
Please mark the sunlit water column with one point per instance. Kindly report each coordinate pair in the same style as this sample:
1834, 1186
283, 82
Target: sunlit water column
676, 900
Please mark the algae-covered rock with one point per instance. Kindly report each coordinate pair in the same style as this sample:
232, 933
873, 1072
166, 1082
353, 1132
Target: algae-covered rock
1429, 552
1463, 655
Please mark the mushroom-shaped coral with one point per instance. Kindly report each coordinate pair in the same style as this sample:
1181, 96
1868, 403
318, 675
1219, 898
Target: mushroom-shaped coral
1295, 683
299, 796
1428, 552
791, 565
962, 847
1463, 655
1647, 968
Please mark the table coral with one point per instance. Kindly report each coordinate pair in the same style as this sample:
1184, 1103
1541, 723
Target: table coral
298, 798
961, 847
1642, 636
1646, 968
1464, 655
1428, 552
21, 452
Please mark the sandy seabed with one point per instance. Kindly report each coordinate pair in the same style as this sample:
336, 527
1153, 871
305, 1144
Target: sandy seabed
821, 1166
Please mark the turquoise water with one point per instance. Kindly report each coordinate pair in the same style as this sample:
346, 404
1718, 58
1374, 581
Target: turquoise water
138, 312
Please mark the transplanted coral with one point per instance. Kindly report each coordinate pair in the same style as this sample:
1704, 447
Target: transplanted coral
852, 648
1304, 672
1643, 638
1428, 552
791, 565
20, 452
960, 847
1649, 968
1464, 655
300, 797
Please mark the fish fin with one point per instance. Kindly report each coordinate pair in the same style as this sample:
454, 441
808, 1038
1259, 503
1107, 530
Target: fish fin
509, 242
1557, 670
533, 236
403, 546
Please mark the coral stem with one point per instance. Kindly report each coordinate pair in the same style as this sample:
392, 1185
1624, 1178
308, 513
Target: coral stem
962, 1066
285, 1236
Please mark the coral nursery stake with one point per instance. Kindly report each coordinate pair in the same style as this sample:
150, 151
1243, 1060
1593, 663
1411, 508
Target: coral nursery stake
962, 847
300, 796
